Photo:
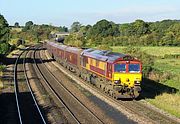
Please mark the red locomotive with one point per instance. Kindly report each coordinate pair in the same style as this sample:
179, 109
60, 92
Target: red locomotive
117, 74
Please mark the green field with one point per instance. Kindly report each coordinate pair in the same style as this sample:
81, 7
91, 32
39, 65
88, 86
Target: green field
166, 101
156, 51
161, 51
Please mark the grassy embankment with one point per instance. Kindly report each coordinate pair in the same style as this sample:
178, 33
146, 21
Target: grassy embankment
169, 69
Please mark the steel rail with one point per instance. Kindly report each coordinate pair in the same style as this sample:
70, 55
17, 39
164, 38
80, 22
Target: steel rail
72, 95
53, 91
17, 90
125, 104
30, 89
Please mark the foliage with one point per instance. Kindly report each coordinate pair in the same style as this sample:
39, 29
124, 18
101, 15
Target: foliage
171, 56
75, 39
4, 48
4, 35
63, 29
138, 28
104, 28
16, 25
138, 33
104, 47
28, 26
33, 33
2, 67
4, 29
75, 27
168, 102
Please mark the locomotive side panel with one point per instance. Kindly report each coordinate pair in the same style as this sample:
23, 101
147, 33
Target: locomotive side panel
95, 66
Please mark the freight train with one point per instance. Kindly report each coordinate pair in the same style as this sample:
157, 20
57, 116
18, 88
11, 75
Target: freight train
117, 74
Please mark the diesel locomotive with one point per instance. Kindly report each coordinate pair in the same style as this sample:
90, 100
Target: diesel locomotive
117, 74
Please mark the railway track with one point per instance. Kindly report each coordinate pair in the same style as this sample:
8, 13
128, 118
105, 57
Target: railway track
27, 106
78, 111
143, 114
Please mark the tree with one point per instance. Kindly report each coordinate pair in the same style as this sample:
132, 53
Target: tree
16, 25
4, 48
174, 30
75, 39
63, 29
75, 27
104, 28
140, 27
4, 35
4, 29
28, 25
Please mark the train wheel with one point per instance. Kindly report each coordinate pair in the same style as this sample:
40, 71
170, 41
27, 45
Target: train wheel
137, 91
135, 94
114, 96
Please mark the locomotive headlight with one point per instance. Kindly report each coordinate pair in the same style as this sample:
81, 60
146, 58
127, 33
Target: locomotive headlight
136, 82
117, 81
137, 79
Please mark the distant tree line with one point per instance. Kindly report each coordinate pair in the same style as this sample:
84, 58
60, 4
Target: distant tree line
139, 33
102, 34
13, 36
33, 33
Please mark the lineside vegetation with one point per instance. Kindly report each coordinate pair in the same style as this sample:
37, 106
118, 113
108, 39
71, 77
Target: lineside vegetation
161, 75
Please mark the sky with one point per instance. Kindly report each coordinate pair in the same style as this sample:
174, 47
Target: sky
65, 12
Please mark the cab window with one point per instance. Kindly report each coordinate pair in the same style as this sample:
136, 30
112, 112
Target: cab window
134, 68
120, 68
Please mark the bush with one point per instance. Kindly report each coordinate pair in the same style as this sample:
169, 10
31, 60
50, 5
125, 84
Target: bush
172, 56
2, 67
104, 47
160, 76
4, 48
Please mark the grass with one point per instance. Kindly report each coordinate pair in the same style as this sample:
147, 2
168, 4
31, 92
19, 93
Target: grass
170, 65
161, 51
155, 51
118, 49
84, 91
166, 101
13, 52
17, 29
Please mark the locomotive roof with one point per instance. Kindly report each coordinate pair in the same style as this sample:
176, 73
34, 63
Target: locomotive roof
73, 49
63, 47
103, 55
57, 45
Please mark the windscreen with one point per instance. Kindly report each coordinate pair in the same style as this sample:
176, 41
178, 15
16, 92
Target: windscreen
120, 68
134, 68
